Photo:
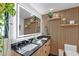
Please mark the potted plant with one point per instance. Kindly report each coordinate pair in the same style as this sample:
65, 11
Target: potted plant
50, 14
6, 10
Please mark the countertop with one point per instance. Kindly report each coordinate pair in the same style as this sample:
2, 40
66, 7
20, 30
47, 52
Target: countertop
29, 53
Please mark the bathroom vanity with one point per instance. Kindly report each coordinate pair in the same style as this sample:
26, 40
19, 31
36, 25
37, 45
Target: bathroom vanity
40, 47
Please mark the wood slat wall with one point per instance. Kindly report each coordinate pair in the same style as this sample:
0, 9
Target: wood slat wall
67, 35
54, 29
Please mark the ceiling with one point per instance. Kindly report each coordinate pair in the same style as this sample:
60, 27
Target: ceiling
43, 8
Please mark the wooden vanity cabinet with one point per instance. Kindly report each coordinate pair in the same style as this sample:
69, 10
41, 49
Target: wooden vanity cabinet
44, 50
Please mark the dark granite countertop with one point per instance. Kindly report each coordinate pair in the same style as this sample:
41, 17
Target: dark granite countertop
29, 53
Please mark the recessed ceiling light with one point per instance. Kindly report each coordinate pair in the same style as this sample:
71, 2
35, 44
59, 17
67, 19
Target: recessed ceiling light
51, 9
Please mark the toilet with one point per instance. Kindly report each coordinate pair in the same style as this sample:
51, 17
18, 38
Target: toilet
70, 50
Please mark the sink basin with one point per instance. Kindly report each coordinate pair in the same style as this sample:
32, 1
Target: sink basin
39, 42
27, 48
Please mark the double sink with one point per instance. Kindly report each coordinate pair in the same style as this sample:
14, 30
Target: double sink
29, 46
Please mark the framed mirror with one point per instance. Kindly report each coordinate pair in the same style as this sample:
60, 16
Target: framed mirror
27, 23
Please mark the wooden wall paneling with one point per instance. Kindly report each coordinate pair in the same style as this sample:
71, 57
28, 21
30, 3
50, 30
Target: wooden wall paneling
54, 29
68, 34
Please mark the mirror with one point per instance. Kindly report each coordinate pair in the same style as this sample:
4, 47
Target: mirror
28, 24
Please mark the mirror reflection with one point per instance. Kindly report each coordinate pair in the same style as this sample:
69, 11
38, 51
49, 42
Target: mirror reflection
28, 23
